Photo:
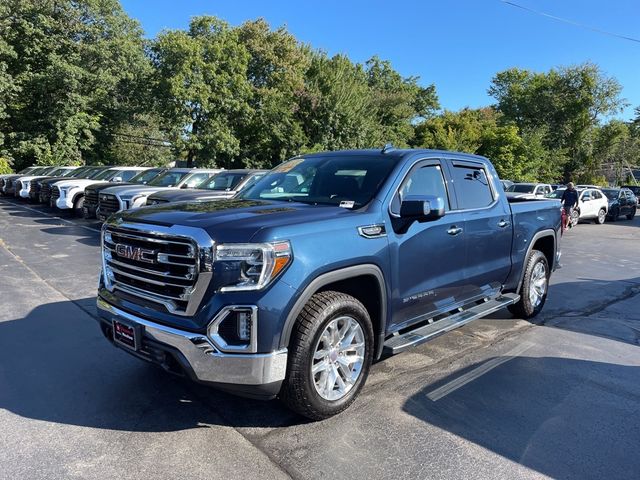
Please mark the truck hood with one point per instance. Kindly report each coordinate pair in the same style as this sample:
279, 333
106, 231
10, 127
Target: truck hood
131, 190
233, 215
77, 183
184, 195
29, 178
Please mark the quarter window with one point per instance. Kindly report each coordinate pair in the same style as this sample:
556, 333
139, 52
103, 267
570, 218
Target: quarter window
472, 187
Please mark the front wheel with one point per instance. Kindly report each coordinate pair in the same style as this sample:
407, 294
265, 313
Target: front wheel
78, 207
602, 215
534, 288
330, 353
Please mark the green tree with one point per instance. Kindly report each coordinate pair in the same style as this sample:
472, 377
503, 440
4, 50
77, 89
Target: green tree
202, 89
334, 105
397, 102
5, 166
68, 63
276, 75
568, 103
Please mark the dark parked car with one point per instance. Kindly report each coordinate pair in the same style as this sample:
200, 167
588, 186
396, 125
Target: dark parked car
634, 188
622, 201
224, 185
92, 192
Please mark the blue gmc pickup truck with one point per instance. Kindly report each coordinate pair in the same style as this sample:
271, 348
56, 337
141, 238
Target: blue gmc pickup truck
292, 288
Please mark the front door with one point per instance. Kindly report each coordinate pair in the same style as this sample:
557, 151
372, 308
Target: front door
428, 259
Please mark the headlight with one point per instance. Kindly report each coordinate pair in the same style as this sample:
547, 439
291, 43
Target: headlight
136, 201
250, 266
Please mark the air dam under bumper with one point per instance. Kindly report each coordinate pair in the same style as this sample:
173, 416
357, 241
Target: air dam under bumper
254, 375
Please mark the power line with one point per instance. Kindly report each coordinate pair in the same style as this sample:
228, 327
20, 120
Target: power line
571, 22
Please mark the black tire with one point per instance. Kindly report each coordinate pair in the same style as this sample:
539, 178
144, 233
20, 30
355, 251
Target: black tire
78, 205
298, 391
602, 215
613, 215
632, 214
525, 308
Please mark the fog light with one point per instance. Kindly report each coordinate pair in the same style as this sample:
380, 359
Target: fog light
234, 329
244, 325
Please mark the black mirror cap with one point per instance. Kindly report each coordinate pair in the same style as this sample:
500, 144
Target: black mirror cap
422, 207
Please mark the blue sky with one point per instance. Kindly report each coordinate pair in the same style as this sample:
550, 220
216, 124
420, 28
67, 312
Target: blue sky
458, 45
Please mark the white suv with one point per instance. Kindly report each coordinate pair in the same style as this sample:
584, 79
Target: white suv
592, 205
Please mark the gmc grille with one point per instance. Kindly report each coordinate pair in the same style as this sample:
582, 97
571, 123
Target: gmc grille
167, 273
108, 204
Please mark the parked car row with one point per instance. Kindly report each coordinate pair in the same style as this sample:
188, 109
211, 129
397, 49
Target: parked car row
594, 203
98, 192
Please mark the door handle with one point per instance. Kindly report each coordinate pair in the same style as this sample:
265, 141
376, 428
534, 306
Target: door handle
454, 230
503, 223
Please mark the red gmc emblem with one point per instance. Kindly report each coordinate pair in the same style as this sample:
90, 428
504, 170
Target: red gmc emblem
138, 254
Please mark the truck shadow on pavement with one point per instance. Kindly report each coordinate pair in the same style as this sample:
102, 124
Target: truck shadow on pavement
563, 417
56, 366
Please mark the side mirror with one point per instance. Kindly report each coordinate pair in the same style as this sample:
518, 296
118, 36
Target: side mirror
117, 179
184, 185
422, 208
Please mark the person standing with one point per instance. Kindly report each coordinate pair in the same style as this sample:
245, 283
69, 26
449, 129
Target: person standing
569, 202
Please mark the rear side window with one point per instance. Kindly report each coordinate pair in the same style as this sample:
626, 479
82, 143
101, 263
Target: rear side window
596, 194
472, 187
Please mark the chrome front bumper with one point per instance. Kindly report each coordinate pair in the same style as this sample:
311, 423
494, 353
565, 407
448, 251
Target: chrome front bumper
205, 362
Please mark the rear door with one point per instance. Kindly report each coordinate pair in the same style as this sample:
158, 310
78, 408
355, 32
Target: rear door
429, 258
487, 226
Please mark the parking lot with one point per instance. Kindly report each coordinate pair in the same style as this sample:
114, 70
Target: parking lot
499, 398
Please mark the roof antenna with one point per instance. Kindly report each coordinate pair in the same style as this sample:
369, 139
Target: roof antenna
388, 148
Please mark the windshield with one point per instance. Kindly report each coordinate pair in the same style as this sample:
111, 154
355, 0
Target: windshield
223, 181
168, 179
57, 171
611, 194
105, 175
146, 175
349, 181
94, 172
68, 172
556, 193
521, 188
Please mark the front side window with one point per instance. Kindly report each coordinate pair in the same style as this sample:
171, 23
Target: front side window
472, 187
195, 179
223, 182
350, 181
424, 180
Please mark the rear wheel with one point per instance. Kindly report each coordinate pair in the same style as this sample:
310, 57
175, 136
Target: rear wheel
534, 288
632, 214
602, 215
330, 354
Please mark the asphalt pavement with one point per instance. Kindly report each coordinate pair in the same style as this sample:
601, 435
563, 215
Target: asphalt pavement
499, 398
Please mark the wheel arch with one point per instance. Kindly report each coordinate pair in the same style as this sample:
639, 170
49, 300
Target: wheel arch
364, 282
546, 242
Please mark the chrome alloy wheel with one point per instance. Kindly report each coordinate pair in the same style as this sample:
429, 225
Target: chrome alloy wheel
338, 358
538, 284
602, 215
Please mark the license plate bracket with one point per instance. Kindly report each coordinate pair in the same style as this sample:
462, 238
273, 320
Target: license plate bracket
126, 334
